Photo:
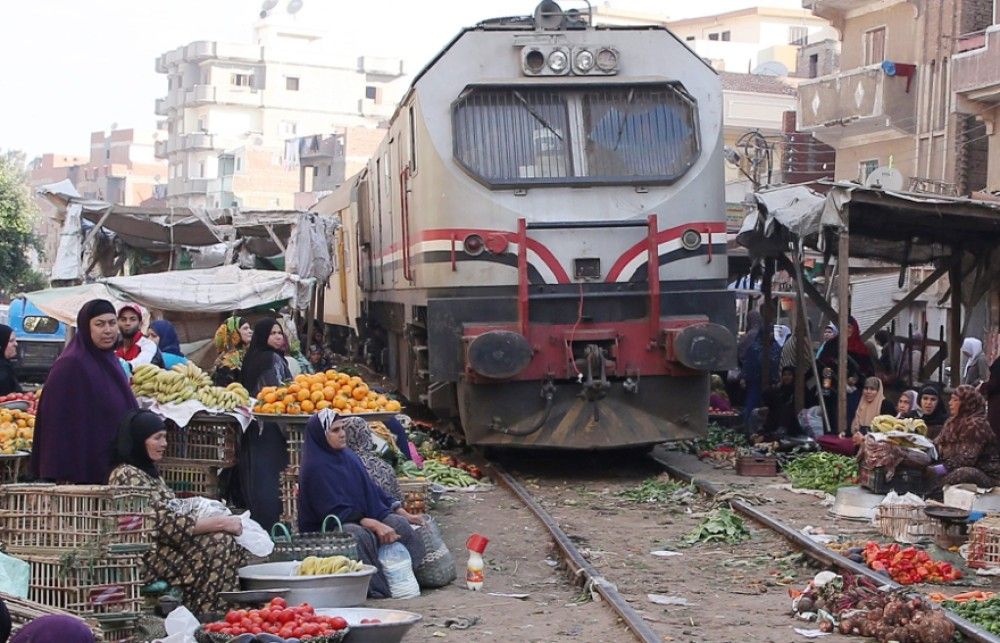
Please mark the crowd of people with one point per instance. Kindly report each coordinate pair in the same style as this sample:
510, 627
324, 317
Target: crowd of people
90, 430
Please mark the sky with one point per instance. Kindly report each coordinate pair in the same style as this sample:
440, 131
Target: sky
77, 66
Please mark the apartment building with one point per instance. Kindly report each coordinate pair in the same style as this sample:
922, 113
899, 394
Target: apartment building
325, 162
891, 102
975, 80
232, 110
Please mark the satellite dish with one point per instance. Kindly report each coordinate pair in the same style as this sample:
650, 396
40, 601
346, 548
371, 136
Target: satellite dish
548, 15
771, 68
294, 6
885, 178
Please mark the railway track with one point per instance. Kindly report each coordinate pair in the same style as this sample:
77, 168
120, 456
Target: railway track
588, 575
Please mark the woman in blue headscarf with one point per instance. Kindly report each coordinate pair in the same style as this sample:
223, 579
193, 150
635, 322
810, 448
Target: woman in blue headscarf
165, 337
333, 480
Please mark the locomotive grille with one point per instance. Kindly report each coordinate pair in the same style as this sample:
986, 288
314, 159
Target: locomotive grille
508, 137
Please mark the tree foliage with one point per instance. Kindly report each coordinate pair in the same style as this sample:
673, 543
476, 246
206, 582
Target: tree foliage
17, 210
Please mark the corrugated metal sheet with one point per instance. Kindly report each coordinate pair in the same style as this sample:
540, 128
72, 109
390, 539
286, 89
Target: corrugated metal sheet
872, 297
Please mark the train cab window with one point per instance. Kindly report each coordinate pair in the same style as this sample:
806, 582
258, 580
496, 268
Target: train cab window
510, 137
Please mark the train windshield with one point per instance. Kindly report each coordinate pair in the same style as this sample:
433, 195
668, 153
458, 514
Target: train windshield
509, 137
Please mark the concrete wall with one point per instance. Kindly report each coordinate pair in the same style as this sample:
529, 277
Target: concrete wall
900, 43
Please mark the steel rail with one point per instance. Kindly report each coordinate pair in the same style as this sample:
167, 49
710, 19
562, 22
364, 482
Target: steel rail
579, 566
814, 549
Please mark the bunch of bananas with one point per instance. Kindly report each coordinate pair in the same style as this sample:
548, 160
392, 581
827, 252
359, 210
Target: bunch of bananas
887, 423
313, 566
186, 382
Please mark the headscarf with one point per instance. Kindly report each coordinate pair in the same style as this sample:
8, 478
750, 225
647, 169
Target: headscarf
55, 627
5, 622
854, 344
973, 348
260, 356
834, 333
229, 344
335, 481
137, 427
86, 397
754, 323
867, 411
914, 400
359, 440
169, 341
8, 377
968, 426
718, 386
940, 413
781, 333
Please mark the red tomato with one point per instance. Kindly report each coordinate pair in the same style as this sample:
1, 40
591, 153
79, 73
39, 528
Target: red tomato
338, 623
277, 601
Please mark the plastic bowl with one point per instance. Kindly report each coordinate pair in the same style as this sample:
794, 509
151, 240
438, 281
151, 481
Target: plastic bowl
16, 405
327, 590
394, 625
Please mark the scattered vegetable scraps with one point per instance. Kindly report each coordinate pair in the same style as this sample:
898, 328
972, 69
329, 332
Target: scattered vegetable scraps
722, 525
823, 471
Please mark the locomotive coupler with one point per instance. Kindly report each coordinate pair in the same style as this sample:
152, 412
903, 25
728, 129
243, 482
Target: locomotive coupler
595, 388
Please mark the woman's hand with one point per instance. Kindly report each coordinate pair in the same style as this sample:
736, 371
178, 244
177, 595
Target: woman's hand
413, 519
385, 534
214, 524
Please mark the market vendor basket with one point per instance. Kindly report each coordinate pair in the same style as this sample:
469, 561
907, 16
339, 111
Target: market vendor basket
40, 516
290, 497
87, 583
190, 478
984, 543
11, 465
323, 543
905, 523
295, 436
414, 494
22, 611
207, 439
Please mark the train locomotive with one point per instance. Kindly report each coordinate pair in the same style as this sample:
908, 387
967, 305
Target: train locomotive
538, 247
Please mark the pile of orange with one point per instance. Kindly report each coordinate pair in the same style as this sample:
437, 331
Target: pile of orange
307, 394
17, 431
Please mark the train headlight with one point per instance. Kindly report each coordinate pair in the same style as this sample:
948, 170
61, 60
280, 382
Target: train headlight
691, 239
584, 61
534, 61
558, 61
607, 59
474, 245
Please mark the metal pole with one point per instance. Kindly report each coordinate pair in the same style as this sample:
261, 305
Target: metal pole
844, 308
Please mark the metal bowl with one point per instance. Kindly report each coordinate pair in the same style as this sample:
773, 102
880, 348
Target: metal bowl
855, 503
393, 627
326, 590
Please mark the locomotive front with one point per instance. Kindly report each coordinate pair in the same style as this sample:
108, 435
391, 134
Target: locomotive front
565, 238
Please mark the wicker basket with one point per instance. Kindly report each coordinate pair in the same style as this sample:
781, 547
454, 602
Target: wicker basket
984, 543
320, 544
207, 439
190, 478
35, 517
906, 523
414, 494
289, 497
23, 611
10, 466
201, 636
87, 584
295, 433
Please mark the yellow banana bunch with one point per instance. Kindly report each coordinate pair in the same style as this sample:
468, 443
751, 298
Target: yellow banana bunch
313, 566
886, 423
186, 382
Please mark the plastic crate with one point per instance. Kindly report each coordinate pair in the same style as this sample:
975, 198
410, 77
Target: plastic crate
905, 480
295, 436
290, 497
190, 478
207, 439
984, 543
36, 517
87, 584
414, 494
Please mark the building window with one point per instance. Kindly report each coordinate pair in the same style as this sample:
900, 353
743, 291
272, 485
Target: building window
689, 39
239, 163
944, 93
874, 42
242, 80
813, 65
713, 36
725, 36
798, 35
292, 83
371, 92
288, 128
866, 167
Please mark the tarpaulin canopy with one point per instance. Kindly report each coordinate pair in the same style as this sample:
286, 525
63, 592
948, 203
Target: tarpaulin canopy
214, 290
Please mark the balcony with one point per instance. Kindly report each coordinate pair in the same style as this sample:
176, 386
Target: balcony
976, 72
181, 185
161, 107
864, 102
160, 149
197, 141
200, 50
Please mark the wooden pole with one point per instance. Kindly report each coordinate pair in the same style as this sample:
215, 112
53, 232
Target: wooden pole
801, 353
844, 304
768, 329
955, 319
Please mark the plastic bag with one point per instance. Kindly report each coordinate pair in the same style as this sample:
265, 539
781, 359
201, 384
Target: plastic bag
198, 507
398, 570
180, 625
254, 539
14, 575
811, 421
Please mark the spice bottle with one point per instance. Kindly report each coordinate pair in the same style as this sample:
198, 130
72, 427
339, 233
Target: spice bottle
474, 569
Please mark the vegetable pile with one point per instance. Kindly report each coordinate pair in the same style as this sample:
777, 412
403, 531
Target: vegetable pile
652, 490
447, 476
822, 471
277, 618
718, 439
985, 614
908, 565
722, 525
853, 605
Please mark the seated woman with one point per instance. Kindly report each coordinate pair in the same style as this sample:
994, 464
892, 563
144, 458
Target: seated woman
872, 404
906, 405
197, 556
968, 450
165, 337
717, 396
333, 480
54, 627
932, 410
360, 441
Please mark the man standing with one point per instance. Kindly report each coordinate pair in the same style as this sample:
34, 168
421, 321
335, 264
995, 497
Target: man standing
134, 347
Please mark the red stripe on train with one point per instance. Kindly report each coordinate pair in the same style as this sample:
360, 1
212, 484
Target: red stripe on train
712, 227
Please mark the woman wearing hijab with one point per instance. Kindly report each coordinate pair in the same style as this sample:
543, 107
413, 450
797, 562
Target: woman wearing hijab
86, 397
932, 410
163, 334
333, 480
860, 366
359, 440
55, 627
873, 403
718, 398
263, 450
753, 371
8, 351
976, 370
198, 556
968, 451
231, 341
907, 405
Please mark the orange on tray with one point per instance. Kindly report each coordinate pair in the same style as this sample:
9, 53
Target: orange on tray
307, 394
